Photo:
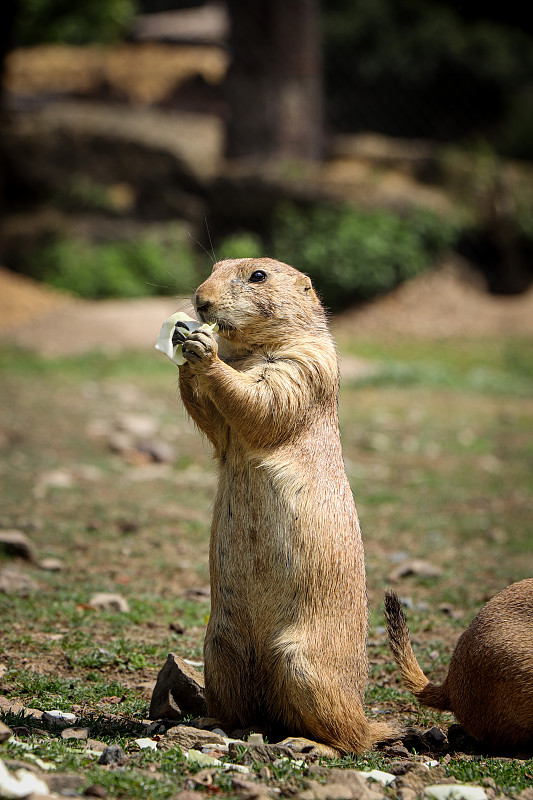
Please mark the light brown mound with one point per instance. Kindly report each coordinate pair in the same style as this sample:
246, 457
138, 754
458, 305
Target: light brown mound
22, 298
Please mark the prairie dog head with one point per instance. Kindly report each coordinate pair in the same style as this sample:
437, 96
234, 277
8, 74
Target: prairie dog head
258, 300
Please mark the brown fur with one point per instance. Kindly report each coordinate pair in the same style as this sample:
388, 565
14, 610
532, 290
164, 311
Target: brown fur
489, 686
286, 640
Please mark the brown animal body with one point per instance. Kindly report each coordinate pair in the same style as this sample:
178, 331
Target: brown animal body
489, 686
285, 646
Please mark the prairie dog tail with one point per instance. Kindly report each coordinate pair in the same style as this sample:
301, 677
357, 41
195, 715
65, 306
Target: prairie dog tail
400, 644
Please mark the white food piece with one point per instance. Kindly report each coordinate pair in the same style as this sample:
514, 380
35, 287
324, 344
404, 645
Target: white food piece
164, 340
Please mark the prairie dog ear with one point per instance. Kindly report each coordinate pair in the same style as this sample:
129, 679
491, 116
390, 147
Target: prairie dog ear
303, 282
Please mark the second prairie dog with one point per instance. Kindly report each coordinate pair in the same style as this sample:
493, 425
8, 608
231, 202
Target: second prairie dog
489, 686
285, 646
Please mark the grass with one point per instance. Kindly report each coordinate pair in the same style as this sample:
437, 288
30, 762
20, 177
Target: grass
438, 446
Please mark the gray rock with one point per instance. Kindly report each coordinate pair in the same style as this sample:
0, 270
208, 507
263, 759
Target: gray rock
264, 753
415, 566
16, 543
75, 733
158, 450
188, 738
113, 755
5, 732
179, 690
108, 601
434, 738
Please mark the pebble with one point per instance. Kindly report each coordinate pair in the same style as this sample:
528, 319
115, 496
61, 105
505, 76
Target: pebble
58, 719
52, 564
15, 582
415, 566
20, 783
455, 791
108, 601
75, 733
113, 755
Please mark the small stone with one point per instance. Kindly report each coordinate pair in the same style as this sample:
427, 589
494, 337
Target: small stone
179, 690
5, 732
52, 564
187, 738
64, 784
434, 737
415, 566
95, 744
16, 543
108, 601
264, 753
113, 755
159, 451
58, 719
75, 733
455, 791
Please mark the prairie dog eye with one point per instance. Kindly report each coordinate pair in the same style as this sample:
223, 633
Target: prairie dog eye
257, 277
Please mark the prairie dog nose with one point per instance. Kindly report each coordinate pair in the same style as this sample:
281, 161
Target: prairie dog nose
200, 303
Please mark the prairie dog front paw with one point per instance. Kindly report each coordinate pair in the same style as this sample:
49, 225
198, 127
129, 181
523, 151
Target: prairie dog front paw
200, 349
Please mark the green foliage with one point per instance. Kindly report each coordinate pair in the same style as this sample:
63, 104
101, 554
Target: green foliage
131, 268
422, 69
77, 22
239, 244
353, 255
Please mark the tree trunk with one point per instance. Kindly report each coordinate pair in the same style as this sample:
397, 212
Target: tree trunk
274, 83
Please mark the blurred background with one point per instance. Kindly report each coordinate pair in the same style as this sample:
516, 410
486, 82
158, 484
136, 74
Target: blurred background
362, 142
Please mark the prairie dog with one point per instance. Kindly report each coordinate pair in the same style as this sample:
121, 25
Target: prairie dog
285, 646
489, 686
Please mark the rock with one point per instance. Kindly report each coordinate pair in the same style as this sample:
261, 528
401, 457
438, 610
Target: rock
113, 755
307, 747
179, 689
341, 784
5, 732
75, 733
108, 601
188, 738
58, 719
15, 582
95, 744
52, 564
455, 791
158, 450
434, 738
415, 566
264, 753
16, 543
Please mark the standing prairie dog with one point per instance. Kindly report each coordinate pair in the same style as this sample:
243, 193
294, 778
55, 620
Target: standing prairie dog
285, 646
489, 686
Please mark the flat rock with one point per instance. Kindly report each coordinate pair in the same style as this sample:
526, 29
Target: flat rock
179, 690
52, 564
341, 784
108, 601
415, 566
264, 753
75, 733
16, 543
188, 738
